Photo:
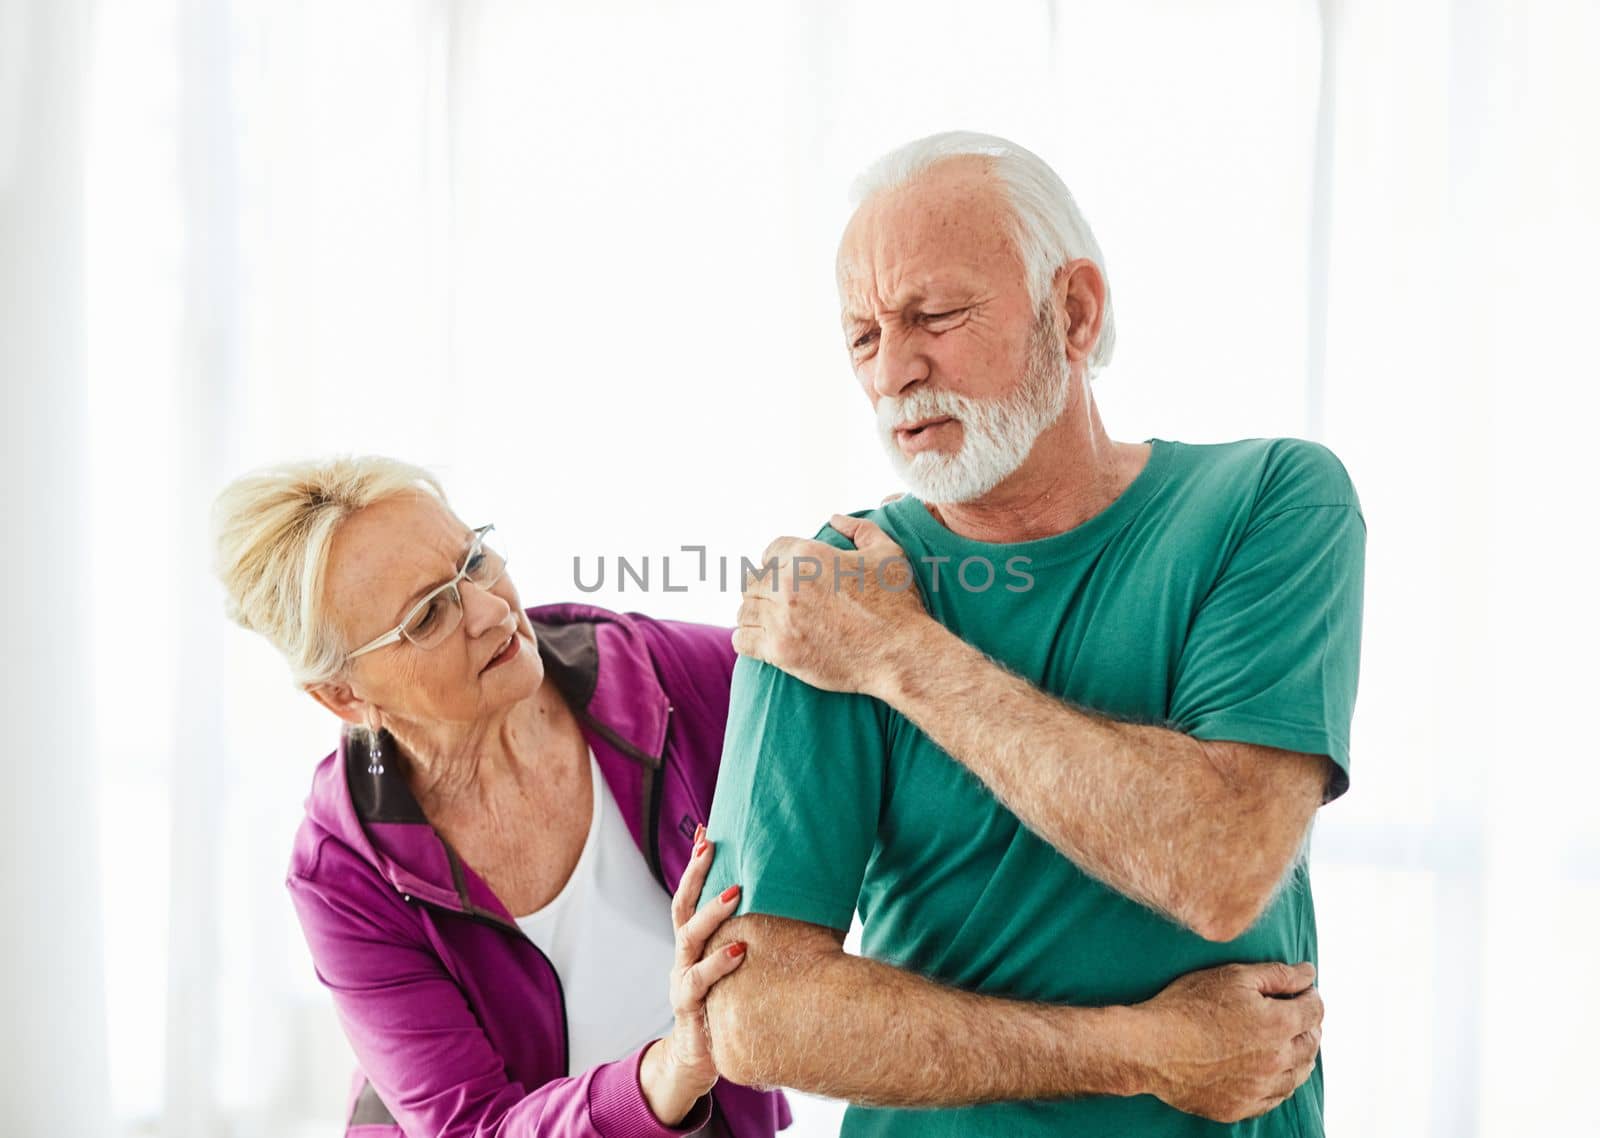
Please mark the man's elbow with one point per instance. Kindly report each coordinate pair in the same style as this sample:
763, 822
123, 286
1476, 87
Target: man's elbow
1231, 907
1275, 801
756, 1015
732, 1021
1226, 917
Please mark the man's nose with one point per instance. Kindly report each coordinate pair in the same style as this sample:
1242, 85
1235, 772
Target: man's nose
899, 362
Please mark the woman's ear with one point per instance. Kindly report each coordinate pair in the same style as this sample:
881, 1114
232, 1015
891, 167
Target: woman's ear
339, 699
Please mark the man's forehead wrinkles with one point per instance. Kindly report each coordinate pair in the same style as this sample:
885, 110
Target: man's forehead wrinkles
894, 260
898, 287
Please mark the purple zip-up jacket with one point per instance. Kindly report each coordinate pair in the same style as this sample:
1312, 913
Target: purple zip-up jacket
457, 1019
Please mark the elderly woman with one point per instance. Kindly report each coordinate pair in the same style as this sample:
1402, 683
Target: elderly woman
485, 873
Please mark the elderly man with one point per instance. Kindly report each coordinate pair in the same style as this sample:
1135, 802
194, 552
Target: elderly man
1078, 759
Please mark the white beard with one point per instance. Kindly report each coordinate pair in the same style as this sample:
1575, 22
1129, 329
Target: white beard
997, 435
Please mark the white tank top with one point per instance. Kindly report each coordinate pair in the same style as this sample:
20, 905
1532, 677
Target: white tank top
609, 935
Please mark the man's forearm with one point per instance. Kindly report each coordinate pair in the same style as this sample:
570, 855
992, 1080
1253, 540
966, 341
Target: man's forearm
802, 1013
1151, 812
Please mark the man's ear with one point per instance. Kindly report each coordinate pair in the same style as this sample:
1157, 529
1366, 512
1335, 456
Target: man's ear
1080, 295
339, 699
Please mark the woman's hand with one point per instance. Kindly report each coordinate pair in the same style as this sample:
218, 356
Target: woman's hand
838, 619
679, 1069
1233, 1042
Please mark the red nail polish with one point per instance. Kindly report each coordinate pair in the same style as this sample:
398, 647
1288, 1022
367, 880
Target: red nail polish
736, 949
729, 894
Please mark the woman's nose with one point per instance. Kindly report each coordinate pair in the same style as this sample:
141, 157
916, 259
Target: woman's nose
481, 609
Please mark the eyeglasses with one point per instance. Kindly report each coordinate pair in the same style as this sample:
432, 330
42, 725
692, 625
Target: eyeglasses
436, 615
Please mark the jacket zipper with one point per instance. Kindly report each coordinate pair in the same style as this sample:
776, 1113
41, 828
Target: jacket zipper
495, 922
652, 841
653, 838
652, 791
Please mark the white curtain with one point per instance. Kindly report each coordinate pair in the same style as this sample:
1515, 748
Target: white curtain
1463, 867
577, 259
53, 1054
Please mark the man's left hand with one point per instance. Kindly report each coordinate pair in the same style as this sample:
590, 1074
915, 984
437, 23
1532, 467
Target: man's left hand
832, 617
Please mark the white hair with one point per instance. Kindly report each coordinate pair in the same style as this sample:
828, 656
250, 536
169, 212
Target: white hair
1049, 230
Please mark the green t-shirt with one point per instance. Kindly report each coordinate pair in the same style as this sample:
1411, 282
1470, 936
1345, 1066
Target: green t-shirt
1219, 595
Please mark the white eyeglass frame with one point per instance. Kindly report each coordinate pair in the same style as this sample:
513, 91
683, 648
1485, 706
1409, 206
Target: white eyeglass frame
398, 632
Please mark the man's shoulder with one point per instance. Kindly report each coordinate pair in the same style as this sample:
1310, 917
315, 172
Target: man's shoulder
1271, 474
1301, 472
889, 518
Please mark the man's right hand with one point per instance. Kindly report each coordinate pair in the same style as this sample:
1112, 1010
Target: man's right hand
1233, 1042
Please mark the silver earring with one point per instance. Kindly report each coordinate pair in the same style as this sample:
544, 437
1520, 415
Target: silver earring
375, 758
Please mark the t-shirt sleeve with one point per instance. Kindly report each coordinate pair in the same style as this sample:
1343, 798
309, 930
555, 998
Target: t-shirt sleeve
795, 814
1273, 653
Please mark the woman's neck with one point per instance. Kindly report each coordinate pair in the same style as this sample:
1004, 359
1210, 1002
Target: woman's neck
533, 748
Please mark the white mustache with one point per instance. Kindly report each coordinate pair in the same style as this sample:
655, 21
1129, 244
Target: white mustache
894, 413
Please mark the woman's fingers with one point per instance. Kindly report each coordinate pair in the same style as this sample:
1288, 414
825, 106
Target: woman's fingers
693, 929
697, 980
687, 896
693, 933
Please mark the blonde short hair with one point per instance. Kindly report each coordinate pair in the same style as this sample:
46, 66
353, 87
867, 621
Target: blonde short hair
271, 532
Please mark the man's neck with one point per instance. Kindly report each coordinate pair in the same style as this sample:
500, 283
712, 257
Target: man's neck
1073, 473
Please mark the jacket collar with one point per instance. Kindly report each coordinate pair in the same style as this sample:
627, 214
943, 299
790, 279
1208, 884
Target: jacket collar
599, 661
